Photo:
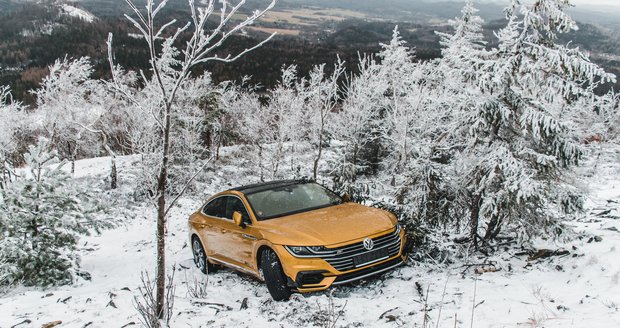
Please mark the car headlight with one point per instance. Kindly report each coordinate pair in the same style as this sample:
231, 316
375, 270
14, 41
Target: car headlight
305, 250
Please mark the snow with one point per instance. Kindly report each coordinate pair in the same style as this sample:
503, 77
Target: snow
79, 13
581, 289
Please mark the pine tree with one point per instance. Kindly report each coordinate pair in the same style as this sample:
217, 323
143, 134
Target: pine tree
41, 220
430, 192
398, 73
520, 148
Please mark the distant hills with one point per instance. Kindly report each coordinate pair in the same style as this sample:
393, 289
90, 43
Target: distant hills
35, 33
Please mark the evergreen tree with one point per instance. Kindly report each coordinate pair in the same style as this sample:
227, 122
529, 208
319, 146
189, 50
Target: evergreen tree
398, 74
520, 142
41, 219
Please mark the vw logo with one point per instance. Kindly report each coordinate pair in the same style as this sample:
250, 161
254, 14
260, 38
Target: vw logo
368, 244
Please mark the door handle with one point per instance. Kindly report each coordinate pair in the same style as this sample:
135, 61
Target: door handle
245, 235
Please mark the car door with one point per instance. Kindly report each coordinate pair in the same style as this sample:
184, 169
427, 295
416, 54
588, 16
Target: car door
235, 243
212, 215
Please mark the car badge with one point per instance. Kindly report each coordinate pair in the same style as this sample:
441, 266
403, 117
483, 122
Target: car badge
368, 244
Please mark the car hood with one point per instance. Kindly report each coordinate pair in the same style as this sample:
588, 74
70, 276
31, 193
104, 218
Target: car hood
327, 226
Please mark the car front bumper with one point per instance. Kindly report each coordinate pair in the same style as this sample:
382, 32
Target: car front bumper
315, 274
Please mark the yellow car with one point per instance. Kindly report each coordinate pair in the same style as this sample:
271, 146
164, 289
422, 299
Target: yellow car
295, 235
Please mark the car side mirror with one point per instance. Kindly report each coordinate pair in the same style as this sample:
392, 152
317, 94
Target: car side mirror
238, 219
346, 197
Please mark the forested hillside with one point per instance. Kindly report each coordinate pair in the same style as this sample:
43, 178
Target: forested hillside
33, 36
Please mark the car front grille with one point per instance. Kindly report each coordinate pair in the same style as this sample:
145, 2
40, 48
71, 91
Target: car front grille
356, 255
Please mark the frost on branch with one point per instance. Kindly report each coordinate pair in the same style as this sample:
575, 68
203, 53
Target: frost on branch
14, 127
67, 101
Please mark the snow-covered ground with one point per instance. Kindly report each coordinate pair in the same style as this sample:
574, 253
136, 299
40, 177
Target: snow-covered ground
78, 13
578, 289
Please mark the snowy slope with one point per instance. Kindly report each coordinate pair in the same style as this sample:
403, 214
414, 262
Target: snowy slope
581, 289
77, 12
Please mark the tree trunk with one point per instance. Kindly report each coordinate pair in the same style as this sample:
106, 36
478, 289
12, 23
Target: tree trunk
72, 157
162, 182
493, 228
474, 217
113, 174
275, 162
354, 160
318, 155
260, 162
4, 181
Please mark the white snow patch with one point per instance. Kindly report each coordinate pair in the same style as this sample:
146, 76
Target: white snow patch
79, 13
135, 35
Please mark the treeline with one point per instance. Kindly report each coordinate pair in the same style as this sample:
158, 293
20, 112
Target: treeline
33, 37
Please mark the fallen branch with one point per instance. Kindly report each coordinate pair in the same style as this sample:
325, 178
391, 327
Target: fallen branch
386, 312
545, 253
491, 264
52, 324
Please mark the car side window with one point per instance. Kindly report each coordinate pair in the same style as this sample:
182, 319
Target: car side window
235, 204
216, 207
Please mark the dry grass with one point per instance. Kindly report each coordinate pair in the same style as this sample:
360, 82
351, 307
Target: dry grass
280, 31
197, 286
310, 17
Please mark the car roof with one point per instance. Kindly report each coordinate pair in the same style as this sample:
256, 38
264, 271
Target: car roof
252, 188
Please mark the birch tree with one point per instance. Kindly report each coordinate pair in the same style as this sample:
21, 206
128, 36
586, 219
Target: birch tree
169, 79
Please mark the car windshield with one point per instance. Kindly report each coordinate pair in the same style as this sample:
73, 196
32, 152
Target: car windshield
291, 199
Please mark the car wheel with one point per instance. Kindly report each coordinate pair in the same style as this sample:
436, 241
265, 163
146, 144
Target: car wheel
274, 276
200, 257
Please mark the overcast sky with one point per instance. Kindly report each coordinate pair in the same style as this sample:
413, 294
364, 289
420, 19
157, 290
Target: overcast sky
583, 3
578, 3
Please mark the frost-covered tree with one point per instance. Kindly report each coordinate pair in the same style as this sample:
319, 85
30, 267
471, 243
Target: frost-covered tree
430, 191
253, 121
399, 75
13, 126
66, 102
609, 111
170, 67
520, 145
320, 94
41, 220
282, 117
357, 125
275, 125
463, 50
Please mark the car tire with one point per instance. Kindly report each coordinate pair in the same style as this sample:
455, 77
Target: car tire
200, 257
274, 276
